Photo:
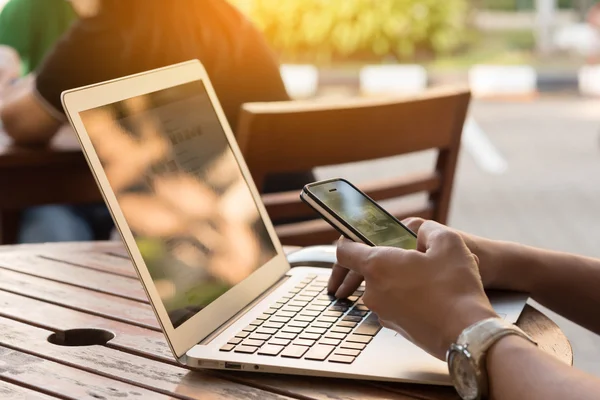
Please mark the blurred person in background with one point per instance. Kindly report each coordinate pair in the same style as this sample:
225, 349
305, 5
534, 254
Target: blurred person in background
127, 37
32, 27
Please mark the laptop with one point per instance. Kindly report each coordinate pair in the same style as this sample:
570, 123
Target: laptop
192, 220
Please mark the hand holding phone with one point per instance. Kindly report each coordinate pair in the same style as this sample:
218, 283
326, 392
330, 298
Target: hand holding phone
356, 215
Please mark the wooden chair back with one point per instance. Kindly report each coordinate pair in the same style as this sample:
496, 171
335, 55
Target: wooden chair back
284, 137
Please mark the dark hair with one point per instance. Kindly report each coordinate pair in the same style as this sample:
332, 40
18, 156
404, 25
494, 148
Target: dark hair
175, 30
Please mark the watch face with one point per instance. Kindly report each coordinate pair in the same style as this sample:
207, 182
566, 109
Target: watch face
463, 374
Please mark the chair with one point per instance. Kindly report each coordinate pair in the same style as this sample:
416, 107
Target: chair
31, 177
286, 137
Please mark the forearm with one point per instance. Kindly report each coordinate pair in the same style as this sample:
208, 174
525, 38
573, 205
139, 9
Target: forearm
567, 284
519, 370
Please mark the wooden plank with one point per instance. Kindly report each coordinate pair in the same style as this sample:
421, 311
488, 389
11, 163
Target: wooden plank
94, 260
65, 382
52, 317
153, 375
8, 391
107, 306
152, 344
103, 282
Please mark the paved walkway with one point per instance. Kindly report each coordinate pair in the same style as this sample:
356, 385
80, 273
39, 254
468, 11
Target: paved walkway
548, 196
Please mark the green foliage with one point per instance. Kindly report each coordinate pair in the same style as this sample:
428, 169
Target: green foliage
513, 5
324, 30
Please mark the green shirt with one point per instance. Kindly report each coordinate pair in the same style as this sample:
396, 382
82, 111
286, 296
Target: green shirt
32, 28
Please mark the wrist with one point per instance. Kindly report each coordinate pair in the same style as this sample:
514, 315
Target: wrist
516, 265
474, 312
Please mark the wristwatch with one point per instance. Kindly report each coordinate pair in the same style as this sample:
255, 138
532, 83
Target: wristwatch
467, 357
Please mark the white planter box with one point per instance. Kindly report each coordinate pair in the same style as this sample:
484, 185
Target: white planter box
589, 80
502, 81
393, 79
300, 80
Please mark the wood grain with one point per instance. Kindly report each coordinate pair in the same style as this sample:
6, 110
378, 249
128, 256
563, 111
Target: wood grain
8, 391
124, 367
105, 305
66, 382
32, 264
32, 306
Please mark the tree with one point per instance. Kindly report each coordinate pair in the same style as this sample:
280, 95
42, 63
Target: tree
323, 30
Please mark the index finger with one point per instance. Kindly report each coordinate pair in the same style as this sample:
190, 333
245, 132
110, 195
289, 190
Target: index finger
352, 255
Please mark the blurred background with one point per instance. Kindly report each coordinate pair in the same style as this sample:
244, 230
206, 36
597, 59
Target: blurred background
529, 169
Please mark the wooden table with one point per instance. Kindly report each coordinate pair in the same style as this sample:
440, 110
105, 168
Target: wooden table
47, 290
55, 174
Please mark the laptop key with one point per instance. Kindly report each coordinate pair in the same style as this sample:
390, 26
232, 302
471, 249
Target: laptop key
249, 328
300, 324
266, 331
235, 340
305, 318
348, 352
303, 342
294, 351
335, 335
330, 342
341, 359
302, 297
352, 318
276, 306
370, 326
358, 313
355, 346
256, 322
322, 324
310, 336
332, 314
263, 317
270, 350
245, 349
319, 331
285, 335
352, 298
286, 314
316, 308
296, 303
280, 342
348, 324
259, 336
311, 313
291, 329
318, 353
227, 347
293, 309
274, 325
253, 342
327, 319
359, 339
344, 302
361, 307
270, 311
280, 319
338, 308
324, 303
242, 334
341, 329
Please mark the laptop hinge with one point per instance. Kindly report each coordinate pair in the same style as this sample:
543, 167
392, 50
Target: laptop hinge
243, 311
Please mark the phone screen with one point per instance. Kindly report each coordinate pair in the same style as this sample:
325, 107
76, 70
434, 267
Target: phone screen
364, 215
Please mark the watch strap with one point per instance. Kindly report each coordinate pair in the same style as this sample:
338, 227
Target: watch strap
479, 337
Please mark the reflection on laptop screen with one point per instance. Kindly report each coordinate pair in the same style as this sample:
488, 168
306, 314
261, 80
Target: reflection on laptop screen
182, 193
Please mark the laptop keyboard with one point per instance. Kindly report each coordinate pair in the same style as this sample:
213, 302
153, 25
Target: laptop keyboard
311, 324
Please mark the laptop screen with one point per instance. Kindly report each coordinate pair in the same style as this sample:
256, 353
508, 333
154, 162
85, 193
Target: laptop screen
182, 193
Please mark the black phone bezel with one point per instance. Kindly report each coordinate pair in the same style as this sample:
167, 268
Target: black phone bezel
306, 190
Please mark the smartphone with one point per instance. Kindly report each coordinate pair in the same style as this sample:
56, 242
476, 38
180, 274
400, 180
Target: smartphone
356, 215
